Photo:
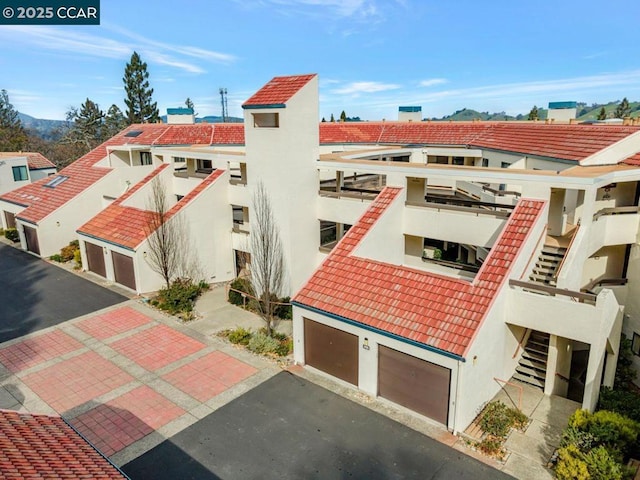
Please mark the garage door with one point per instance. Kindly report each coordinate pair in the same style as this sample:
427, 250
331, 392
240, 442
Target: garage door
95, 259
10, 219
31, 235
123, 270
331, 350
413, 383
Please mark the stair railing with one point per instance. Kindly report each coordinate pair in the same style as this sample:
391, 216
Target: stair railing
573, 237
519, 387
520, 343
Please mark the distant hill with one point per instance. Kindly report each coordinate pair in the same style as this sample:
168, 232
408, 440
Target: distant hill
46, 129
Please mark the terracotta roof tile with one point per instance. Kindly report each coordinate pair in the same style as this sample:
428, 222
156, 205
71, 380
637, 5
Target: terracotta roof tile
633, 160
35, 161
43, 446
128, 226
278, 91
431, 309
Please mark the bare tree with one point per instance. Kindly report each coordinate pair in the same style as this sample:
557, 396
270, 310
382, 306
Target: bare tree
267, 256
169, 253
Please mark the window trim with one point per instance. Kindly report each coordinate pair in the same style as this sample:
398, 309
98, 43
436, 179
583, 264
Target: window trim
23, 173
146, 156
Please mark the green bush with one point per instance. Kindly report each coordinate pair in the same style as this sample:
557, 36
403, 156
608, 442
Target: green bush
625, 373
261, 343
77, 257
239, 335
571, 465
602, 466
585, 441
56, 258
284, 312
179, 297
12, 234
497, 419
68, 253
624, 402
243, 285
491, 446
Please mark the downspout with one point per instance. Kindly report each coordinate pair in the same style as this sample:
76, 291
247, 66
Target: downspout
455, 404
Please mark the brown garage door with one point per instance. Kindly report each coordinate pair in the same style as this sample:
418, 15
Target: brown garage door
123, 270
10, 218
331, 350
413, 383
31, 235
95, 259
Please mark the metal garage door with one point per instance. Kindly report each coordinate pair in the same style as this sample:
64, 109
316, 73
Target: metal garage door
31, 235
95, 259
123, 270
331, 350
413, 383
10, 218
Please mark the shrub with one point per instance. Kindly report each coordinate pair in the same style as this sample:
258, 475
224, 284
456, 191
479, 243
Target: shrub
179, 297
624, 402
491, 446
261, 343
284, 312
497, 419
77, 257
602, 466
239, 335
56, 258
12, 234
585, 441
571, 465
243, 285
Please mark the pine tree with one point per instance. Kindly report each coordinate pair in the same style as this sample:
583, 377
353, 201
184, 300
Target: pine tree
343, 116
189, 104
603, 114
623, 110
85, 125
323, 120
332, 120
13, 136
140, 105
114, 121
533, 114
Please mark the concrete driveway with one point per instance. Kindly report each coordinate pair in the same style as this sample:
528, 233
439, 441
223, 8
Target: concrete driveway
35, 294
289, 428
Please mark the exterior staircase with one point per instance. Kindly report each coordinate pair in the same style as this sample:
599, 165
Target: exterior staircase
547, 265
532, 368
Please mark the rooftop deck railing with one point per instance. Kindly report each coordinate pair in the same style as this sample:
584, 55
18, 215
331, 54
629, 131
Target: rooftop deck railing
616, 211
581, 297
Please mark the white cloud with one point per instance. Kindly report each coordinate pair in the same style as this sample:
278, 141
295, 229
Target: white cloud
357, 88
342, 8
432, 82
74, 42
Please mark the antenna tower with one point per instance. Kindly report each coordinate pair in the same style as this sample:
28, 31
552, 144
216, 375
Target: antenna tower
223, 101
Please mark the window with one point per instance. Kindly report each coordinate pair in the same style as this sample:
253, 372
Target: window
55, 181
204, 166
20, 173
265, 120
145, 158
133, 133
179, 160
505, 164
485, 162
635, 344
458, 161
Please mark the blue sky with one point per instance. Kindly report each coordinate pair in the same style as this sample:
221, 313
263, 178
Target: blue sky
371, 55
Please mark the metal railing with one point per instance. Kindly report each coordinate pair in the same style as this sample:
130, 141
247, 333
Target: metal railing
553, 291
605, 282
362, 196
615, 211
454, 208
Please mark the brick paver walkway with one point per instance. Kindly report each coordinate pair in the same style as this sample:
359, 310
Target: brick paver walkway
121, 374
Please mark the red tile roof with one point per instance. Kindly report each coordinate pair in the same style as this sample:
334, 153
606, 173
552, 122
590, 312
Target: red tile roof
41, 201
35, 161
633, 160
429, 309
567, 142
42, 446
128, 226
278, 91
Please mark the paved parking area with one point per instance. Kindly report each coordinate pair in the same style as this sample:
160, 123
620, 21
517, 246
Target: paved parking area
126, 377
35, 294
289, 428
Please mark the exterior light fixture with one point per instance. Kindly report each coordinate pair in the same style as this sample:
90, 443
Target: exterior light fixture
365, 344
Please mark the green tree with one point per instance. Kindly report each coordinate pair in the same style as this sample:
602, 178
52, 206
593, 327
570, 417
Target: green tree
85, 125
324, 120
114, 122
189, 104
332, 119
343, 116
13, 136
140, 105
533, 114
602, 115
623, 110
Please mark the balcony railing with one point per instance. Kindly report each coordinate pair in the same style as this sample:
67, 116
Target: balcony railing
240, 227
468, 206
237, 180
616, 211
358, 195
604, 282
552, 291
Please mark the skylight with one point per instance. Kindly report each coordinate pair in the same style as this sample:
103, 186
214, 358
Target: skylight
133, 133
55, 181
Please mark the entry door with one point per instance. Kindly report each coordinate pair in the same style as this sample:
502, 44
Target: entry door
123, 270
331, 350
95, 259
414, 383
31, 235
10, 219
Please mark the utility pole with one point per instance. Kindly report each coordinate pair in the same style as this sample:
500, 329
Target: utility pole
223, 101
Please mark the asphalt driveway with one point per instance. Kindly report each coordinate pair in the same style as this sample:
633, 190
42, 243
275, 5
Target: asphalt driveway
288, 428
36, 295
